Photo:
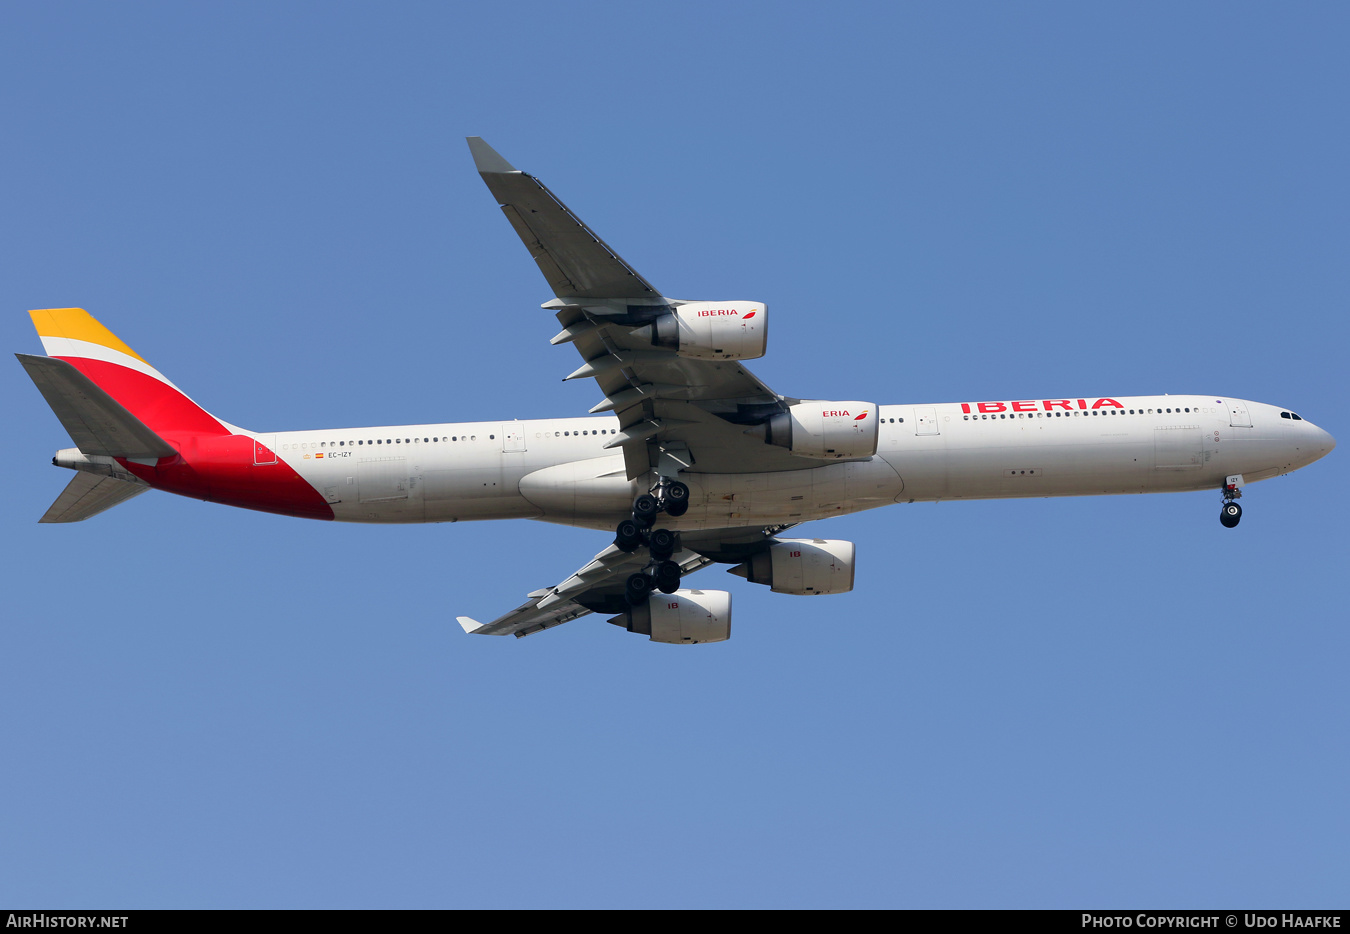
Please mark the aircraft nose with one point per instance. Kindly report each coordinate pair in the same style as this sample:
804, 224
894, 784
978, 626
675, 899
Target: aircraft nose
1320, 444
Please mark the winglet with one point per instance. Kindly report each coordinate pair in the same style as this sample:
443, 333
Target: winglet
469, 624
487, 160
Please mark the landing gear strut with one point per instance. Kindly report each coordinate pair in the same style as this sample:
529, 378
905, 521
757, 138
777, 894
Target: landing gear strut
1231, 514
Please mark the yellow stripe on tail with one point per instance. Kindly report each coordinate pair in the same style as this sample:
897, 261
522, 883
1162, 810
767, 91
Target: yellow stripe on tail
79, 325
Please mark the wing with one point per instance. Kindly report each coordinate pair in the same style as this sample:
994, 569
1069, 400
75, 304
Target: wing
576, 263
693, 410
598, 587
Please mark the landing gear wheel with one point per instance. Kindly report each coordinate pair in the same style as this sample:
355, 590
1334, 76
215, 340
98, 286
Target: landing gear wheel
667, 577
1231, 515
644, 509
628, 535
662, 543
675, 499
638, 589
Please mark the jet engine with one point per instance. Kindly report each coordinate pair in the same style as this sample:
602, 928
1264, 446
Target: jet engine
802, 566
824, 429
684, 617
713, 330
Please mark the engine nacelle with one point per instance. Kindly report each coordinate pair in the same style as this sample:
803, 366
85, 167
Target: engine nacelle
684, 617
802, 566
826, 429
714, 330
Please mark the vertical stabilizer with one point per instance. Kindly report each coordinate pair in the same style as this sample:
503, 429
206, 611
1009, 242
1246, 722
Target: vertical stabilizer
76, 337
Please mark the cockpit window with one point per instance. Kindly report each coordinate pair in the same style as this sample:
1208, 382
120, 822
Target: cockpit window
1285, 415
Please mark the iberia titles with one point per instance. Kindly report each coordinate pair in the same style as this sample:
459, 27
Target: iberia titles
1047, 405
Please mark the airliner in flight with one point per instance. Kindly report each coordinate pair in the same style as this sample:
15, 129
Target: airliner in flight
687, 459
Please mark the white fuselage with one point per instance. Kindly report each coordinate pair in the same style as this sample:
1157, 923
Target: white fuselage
556, 470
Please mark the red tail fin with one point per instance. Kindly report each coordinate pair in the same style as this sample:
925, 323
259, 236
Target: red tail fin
73, 335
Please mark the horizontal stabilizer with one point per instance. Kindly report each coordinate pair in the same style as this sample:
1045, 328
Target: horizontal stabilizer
89, 494
96, 422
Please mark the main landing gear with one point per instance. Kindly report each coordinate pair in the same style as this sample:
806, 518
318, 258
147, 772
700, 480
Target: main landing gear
663, 574
1231, 514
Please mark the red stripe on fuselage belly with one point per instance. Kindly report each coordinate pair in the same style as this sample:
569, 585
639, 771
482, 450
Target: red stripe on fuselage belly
221, 469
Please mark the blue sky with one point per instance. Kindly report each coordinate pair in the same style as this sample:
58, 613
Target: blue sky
1050, 703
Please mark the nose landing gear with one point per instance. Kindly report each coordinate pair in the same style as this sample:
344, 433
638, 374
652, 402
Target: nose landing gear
1231, 514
